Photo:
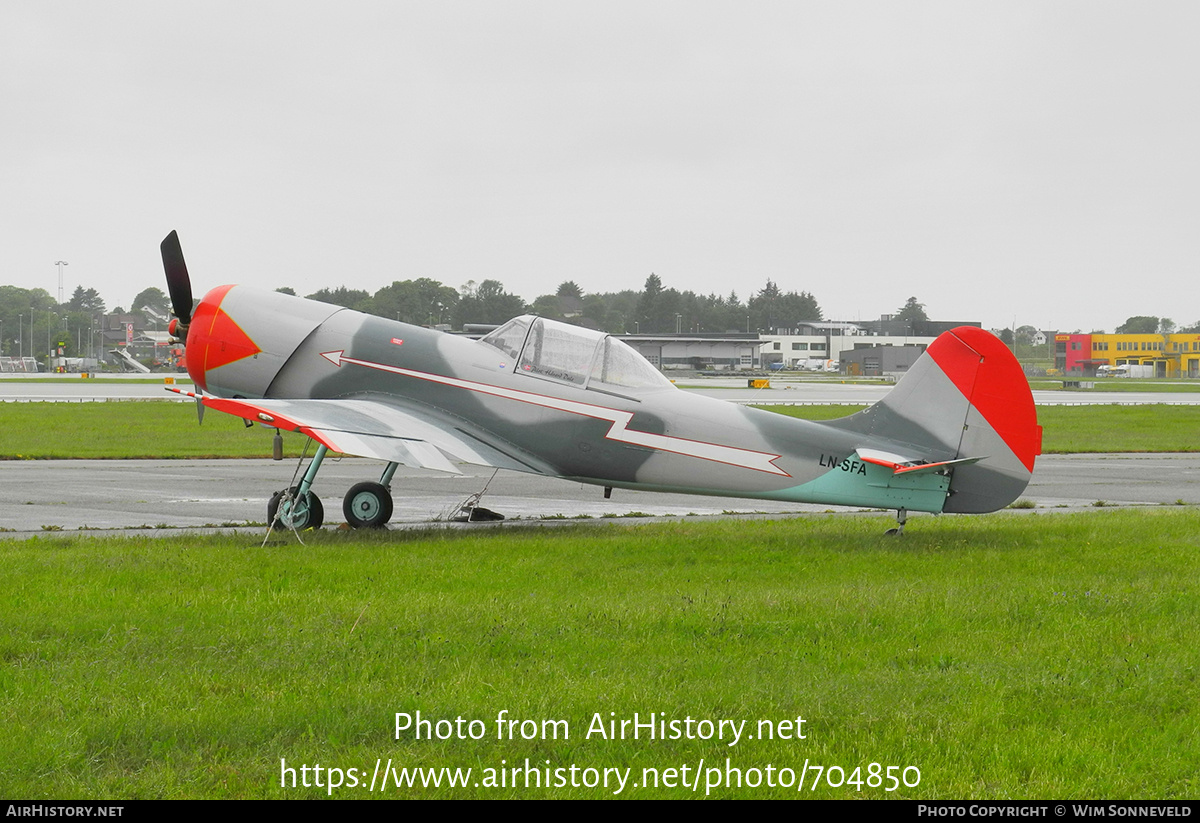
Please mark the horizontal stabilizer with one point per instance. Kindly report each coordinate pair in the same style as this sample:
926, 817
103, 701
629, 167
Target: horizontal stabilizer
903, 465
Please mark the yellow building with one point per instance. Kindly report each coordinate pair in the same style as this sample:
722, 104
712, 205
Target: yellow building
1170, 355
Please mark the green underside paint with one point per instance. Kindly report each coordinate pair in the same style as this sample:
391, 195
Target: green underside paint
850, 483
855, 483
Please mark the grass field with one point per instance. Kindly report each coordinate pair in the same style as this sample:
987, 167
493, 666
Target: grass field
152, 429
1117, 384
169, 430
1006, 656
1084, 429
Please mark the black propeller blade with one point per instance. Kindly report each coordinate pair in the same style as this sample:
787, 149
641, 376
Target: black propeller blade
178, 283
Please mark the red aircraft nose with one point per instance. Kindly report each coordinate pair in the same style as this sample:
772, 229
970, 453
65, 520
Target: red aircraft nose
214, 338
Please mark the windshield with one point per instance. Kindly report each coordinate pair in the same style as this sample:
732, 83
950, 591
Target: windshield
509, 337
575, 355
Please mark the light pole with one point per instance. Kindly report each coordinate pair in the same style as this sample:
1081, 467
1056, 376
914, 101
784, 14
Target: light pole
60, 264
21, 336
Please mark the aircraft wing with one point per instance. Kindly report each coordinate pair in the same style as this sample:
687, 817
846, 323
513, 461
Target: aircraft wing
371, 427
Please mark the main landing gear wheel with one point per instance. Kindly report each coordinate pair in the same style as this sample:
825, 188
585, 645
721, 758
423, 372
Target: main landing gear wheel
367, 506
297, 512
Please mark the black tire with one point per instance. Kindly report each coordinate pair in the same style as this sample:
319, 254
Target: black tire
367, 506
310, 515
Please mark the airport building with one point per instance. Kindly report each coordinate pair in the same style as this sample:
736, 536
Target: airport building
699, 352
1155, 355
1073, 354
880, 361
819, 343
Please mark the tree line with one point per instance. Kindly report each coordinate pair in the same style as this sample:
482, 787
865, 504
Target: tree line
32, 319
655, 309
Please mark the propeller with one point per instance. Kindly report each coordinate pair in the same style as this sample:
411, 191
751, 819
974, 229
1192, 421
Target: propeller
178, 283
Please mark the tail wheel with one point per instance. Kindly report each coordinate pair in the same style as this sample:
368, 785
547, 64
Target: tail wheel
367, 506
298, 512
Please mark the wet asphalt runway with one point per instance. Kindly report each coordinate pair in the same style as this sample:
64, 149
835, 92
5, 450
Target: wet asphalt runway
110, 496
103, 495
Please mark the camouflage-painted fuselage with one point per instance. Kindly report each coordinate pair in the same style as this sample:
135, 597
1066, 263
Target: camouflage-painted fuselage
375, 378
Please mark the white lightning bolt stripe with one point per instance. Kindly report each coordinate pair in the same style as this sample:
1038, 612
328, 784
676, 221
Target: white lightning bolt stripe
729, 455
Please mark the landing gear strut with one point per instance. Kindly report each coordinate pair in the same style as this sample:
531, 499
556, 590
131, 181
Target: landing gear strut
901, 519
366, 505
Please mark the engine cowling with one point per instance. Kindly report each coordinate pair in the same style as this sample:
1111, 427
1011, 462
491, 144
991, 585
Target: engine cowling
239, 338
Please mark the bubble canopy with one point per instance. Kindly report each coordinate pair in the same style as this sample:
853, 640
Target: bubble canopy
571, 354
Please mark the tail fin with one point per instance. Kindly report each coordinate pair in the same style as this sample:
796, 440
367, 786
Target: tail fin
966, 397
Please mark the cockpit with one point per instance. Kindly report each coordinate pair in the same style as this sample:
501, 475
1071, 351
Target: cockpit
571, 354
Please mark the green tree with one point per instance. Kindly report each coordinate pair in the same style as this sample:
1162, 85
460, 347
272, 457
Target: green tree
569, 288
341, 296
614, 312
17, 307
77, 330
547, 305
649, 306
797, 308
487, 302
1025, 335
152, 303
775, 312
765, 307
912, 312
421, 302
86, 300
1141, 324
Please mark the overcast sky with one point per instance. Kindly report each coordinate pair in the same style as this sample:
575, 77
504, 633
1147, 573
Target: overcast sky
1027, 162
